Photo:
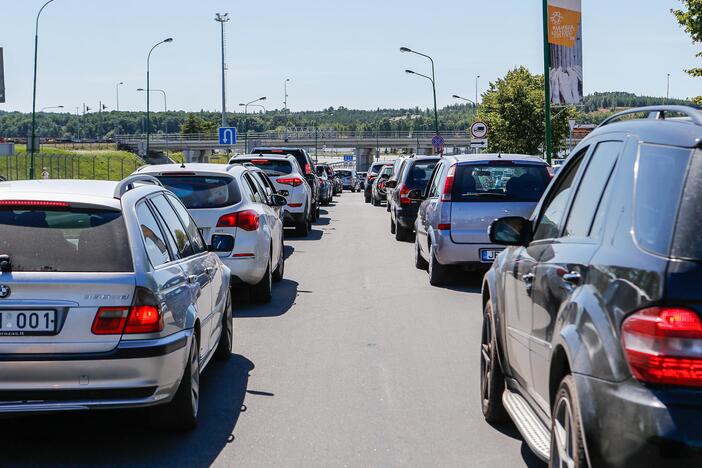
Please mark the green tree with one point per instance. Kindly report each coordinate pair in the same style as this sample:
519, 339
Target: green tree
690, 18
513, 108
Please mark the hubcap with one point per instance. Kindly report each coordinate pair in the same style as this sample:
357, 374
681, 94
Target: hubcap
195, 378
563, 434
485, 359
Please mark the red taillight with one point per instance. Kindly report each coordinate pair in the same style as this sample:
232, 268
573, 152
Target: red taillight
444, 227
404, 195
308, 169
144, 319
294, 181
34, 203
127, 320
295, 205
247, 220
664, 346
260, 161
448, 185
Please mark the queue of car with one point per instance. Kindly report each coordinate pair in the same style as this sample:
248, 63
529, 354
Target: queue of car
592, 317
130, 296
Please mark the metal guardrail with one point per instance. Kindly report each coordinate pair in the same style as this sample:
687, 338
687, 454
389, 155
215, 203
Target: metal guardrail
70, 166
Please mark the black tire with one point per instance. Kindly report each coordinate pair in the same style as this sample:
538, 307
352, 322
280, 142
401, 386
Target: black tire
376, 202
567, 438
393, 226
262, 292
419, 261
226, 338
367, 198
303, 228
279, 272
387, 206
438, 273
180, 414
403, 234
315, 213
492, 380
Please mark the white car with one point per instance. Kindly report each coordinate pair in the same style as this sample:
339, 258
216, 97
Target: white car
236, 216
288, 177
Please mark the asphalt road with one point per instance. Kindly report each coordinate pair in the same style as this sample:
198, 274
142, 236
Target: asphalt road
358, 362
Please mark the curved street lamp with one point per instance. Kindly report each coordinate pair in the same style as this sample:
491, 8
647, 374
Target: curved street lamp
165, 101
456, 96
246, 121
432, 79
148, 83
34, 93
50, 107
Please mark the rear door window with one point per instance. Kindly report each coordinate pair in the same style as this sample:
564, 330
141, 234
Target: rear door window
197, 192
500, 182
176, 231
592, 187
154, 239
418, 174
659, 181
196, 241
64, 239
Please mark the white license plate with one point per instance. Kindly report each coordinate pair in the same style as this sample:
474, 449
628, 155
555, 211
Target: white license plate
489, 256
27, 322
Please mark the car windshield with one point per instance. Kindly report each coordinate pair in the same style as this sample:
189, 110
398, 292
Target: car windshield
500, 182
344, 173
419, 174
387, 170
65, 240
272, 167
198, 192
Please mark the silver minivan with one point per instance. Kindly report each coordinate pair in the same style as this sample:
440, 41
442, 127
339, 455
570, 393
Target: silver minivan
109, 298
465, 194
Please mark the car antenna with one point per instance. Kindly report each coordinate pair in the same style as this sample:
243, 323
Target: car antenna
182, 162
499, 155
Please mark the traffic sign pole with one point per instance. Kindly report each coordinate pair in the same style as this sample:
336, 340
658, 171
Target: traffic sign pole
547, 85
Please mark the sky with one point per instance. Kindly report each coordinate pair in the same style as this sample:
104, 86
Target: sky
335, 53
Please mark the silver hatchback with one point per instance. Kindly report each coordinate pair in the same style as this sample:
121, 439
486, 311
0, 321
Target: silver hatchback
465, 194
108, 299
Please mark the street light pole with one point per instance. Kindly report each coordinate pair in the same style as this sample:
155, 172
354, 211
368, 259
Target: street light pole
148, 84
667, 92
476, 91
221, 19
285, 103
433, 83
165, 102
117, 90
410, 72
50, 107
547, 84
246, 121
33, 148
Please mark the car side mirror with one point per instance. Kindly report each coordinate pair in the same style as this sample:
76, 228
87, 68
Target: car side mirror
415, 195
391, 184
310, 178
385, 176
278, 200
512, 230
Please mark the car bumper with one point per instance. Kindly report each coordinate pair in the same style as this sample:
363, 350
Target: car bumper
630, 425
450, 253
136, 373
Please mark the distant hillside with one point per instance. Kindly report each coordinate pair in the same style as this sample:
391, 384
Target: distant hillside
620, 99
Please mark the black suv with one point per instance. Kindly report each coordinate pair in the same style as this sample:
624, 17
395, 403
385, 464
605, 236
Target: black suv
414, 173
592, 330
371, 175
307, 165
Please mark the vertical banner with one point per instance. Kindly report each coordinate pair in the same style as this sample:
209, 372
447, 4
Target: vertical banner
566, 51
2, 79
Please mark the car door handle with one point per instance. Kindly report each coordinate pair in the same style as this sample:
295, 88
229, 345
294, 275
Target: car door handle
528, 277
573, 277
192, 279
210, 270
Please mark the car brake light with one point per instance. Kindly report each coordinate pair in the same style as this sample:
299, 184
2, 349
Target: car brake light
404, 195
448, 185
444, 227
260, 161
308, 169
664, 346
295, 205
294, 181
127, 320
247, 220
34, 203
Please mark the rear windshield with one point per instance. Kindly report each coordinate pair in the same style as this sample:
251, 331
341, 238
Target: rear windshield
203, 191
272, 167
500, 182
297, 153
375, 168
65, 240
419, 173
344, 173
656, 209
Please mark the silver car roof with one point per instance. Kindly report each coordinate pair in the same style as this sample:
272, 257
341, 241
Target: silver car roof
93, 192
198, 168
496, 157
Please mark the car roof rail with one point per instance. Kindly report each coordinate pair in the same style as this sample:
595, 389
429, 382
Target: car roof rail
657, 113
127, 184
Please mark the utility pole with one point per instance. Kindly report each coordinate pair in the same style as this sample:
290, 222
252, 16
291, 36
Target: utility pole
221, 19
667, 92
547, 84
285, 104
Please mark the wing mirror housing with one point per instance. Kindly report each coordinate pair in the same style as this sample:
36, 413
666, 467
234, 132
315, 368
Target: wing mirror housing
391, 184
416, 195
512, 230
278, 200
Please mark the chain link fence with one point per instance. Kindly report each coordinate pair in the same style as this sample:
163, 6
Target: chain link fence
70, 166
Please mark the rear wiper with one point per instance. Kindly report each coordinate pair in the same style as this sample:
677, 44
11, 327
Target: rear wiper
485, 194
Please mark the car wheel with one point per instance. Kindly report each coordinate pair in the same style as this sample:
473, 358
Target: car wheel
402, 234
262, 292
315, 213
437, 271
303, 228
419, 261
280, 270
492, 381
181, 413
567, 449
226, 339
393, 226
368, 198
376, 202
387, 207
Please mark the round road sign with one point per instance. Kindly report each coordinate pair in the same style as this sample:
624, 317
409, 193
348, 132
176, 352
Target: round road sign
479, 130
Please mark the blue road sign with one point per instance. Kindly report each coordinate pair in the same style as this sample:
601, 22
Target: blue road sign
348, 157
438, 142
227, 136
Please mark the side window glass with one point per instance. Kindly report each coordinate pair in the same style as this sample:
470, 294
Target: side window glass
175, 227
553, 211
434, 187
254, 189
154, 240
591, 188
246, 189
259, 178
196, 241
